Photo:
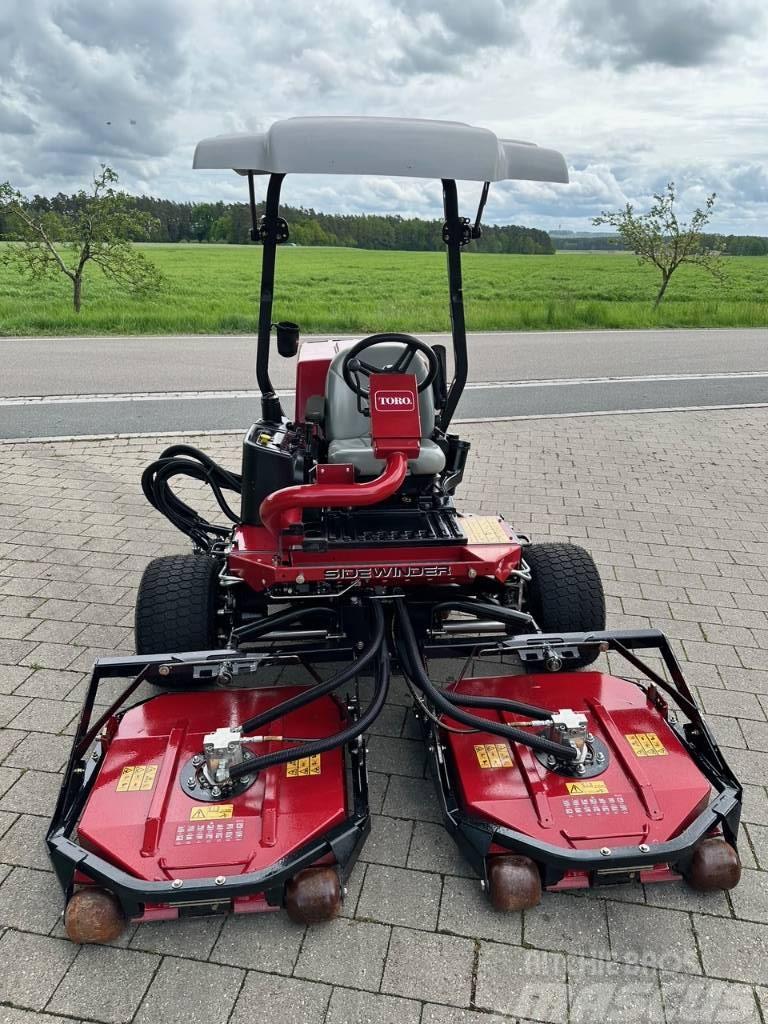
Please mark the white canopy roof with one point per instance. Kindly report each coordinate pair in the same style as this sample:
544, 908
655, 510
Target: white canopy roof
382, 146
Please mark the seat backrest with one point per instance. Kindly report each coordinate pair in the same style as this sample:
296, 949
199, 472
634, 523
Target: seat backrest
342, 418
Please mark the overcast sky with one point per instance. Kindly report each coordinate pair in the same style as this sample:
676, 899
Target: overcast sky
634, 92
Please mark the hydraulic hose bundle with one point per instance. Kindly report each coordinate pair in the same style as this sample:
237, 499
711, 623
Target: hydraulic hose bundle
375, 651
450, 704
446, 702
184, 460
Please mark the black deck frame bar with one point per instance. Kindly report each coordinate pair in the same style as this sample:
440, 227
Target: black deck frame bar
271, 231
343, 842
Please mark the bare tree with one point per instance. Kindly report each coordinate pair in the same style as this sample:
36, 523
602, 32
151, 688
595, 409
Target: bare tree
659, 238
97, 227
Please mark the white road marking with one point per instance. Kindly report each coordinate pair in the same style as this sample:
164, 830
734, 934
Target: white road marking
671, 331
184, 396
486, 419
610, 412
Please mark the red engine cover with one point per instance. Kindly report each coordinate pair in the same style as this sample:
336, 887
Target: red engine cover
139, 818
649, 792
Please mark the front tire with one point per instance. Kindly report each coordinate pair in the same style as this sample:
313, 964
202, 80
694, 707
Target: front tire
565, 594
177, 604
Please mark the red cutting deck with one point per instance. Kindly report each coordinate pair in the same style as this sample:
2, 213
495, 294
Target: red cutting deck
649, 792
140, 819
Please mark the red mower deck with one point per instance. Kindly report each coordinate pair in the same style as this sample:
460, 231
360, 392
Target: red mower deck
649, 791
142, 820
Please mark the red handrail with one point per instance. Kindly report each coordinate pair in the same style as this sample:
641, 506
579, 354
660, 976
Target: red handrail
283, 508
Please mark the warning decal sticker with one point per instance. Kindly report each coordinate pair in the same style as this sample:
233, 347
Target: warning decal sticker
493, 755
588, 806
137, 778
586, 788
213, 812
484, 530
646, 744
303, 767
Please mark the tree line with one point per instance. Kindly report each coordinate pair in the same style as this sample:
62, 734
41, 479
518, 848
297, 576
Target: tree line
728, 245
173, 221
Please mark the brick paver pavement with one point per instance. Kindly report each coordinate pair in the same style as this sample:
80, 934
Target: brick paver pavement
674, 508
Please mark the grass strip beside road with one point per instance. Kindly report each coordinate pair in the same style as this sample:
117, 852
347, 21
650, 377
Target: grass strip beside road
213, 289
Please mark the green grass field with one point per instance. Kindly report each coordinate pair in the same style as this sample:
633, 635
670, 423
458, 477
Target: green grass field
214, 289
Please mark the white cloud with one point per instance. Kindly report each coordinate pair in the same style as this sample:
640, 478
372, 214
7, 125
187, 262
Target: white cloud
634, 95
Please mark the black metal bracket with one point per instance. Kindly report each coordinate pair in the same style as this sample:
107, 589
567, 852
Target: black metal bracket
458, 232
273, 229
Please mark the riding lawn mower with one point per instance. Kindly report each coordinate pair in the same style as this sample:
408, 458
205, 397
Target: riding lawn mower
238, 786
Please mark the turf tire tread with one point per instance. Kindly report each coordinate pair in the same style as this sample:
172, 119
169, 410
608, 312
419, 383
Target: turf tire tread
565, 594
176, 605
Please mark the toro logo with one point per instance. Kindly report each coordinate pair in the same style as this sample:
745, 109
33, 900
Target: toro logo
394, 401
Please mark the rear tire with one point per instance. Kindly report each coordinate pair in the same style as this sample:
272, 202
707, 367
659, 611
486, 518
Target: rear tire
565, 594
176, 607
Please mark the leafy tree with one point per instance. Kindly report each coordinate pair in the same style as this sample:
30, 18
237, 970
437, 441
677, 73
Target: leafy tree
659, 238
221, 229
204, 217
64, 234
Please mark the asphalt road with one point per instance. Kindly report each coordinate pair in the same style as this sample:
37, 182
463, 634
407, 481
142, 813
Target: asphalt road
116, 365
115, 379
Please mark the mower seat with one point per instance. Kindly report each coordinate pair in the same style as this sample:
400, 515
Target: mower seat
349, 432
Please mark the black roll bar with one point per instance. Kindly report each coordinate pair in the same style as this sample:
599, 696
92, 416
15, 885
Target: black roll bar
455, 236
272, 230
270, 234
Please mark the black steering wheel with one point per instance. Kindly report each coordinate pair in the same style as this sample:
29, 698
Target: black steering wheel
353, 367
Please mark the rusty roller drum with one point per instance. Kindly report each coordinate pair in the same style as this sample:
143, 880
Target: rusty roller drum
93, 916
514, 882
313, 895
715, 865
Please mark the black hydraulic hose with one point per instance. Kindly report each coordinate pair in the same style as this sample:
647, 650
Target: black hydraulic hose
184, 460
497, 611
415, 668
499, 703
253, 630
329, 685
194, 459
477, 701
185, 467
309, 749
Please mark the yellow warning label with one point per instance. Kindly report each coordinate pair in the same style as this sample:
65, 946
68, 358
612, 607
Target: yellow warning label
646, 744
213, 812
303, 767
137, 778
484, 530
586, 788
493, 755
